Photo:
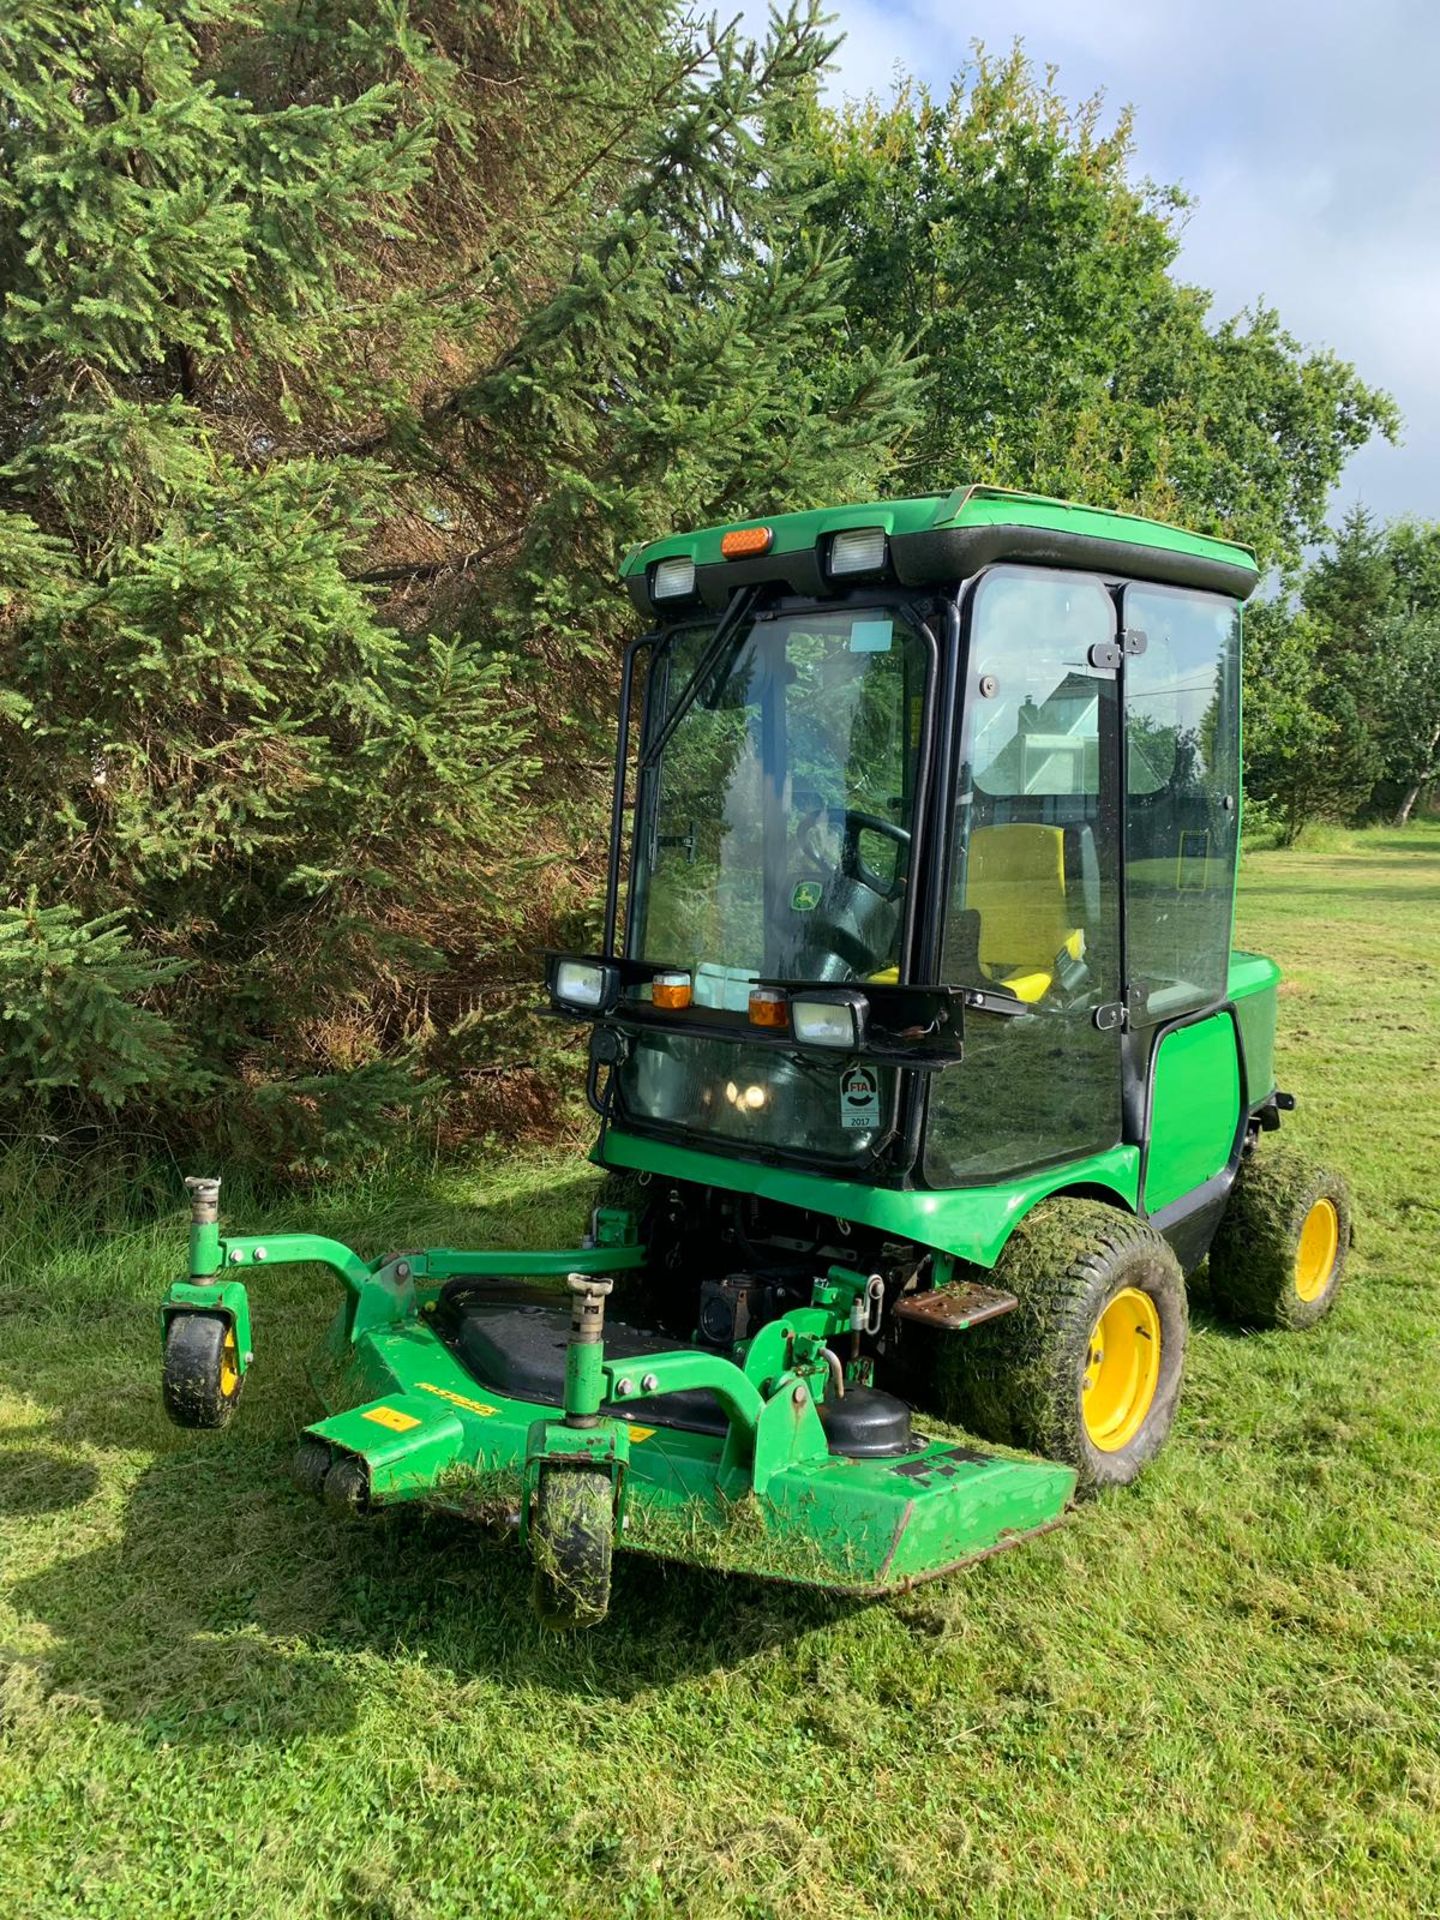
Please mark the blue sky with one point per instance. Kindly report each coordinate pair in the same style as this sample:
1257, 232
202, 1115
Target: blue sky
1309, 136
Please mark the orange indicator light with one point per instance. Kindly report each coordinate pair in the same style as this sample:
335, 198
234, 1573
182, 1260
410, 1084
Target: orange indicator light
744, 541
768, 1008
670, 990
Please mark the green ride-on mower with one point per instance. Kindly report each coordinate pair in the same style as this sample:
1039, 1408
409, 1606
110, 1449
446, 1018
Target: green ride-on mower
925, 1070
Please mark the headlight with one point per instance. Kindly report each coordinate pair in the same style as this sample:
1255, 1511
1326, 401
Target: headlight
860, 550
673, 579
747, 1099
830, 1020
586, 985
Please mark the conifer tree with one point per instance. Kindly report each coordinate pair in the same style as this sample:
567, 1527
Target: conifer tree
343, 352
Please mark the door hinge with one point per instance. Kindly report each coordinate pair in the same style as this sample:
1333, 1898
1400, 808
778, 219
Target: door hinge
1106, 655
1112, 1016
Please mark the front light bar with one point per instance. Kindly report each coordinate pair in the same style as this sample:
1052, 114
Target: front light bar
911, 1026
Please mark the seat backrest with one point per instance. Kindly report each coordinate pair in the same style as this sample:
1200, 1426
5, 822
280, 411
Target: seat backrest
1015, 881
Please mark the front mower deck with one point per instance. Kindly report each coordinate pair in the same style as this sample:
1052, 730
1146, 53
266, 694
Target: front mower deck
449, 1381
428, 1430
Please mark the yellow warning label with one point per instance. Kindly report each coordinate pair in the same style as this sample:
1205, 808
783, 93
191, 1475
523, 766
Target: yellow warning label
637, 1434
392, 1418
456, 1399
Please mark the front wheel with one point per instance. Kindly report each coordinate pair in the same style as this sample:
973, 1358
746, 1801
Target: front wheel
572, 1538
201, 1381
1279, 1255
1087, 1369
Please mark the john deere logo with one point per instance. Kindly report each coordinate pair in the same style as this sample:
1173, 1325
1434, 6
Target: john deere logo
806, 896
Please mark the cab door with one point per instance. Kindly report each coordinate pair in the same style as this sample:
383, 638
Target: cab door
1181, 704
1034, 911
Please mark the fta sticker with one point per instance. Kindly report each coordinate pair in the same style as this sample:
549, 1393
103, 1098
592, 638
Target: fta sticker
860, 1099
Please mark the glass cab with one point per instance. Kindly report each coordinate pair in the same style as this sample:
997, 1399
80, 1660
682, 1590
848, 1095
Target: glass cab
1023, 786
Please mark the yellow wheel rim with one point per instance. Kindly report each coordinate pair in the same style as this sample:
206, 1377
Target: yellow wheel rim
229, 1367
1319, 1246
1122, 1370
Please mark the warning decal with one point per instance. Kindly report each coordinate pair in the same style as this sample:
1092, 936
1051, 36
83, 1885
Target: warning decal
392, 1418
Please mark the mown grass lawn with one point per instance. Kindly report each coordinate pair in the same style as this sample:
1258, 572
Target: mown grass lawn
1218, 1693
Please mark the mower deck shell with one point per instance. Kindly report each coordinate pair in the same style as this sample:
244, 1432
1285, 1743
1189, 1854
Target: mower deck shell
427, 1431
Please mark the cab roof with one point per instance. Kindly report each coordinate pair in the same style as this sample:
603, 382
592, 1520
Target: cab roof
948, 536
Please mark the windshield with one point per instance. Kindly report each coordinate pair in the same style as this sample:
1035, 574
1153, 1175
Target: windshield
775, 824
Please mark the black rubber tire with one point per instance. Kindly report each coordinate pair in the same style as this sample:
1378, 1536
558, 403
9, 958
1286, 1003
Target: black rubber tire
572, 1540
346, 1487
1018, 1380
311, 1462
1253, 1255
198, 1388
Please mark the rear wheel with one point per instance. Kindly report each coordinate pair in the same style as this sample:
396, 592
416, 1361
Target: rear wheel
1087, 1369
201, 1380
1279, 1256
572, 1538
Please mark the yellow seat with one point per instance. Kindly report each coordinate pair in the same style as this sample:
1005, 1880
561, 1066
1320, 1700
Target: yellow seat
1015, 881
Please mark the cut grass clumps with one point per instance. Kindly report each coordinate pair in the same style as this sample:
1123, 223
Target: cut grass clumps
731, 1536
572, 1544
1018, 1378
489, 1497
1254, 1278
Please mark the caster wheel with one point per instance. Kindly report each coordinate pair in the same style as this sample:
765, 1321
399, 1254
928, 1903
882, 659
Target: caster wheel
312, 1461
201, 1381
572, 1536
346, 1487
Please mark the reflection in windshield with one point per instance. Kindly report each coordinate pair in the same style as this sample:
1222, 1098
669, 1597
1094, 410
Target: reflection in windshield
776, 826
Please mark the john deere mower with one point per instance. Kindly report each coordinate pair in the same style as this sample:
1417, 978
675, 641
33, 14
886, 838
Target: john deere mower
925, 1074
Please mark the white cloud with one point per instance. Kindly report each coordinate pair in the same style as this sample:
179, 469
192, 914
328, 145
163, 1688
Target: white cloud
1307, 132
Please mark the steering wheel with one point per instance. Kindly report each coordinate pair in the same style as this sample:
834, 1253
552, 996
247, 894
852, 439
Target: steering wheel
853, 822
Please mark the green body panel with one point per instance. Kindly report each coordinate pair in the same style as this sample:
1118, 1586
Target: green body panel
964, 507
972, 1222
1198, 1089
1254, 987
1194, 1109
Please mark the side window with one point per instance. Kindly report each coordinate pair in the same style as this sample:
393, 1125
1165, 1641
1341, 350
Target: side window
1182, 742
1038, 871
1036, 731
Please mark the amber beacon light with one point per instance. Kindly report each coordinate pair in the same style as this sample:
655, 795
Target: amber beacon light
746, 541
